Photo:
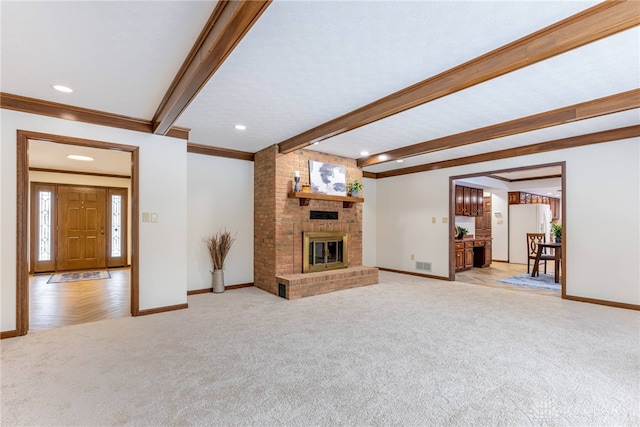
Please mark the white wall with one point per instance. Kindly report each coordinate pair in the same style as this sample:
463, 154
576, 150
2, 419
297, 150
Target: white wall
369, 210
602, 188
219, 196
163, 189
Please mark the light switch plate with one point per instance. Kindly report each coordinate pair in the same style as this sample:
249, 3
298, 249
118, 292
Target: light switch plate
445, 220
145, 216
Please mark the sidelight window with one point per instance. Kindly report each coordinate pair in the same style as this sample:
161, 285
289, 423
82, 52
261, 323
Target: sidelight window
44, 229
116, 225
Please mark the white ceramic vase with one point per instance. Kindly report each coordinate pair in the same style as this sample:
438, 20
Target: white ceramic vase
217, 281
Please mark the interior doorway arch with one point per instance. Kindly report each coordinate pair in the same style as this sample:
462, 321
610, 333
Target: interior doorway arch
452, 202
22, 254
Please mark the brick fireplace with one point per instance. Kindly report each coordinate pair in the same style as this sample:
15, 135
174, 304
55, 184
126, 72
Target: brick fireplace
280, 222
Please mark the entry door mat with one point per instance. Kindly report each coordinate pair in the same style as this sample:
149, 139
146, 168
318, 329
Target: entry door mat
543, 281
77, 276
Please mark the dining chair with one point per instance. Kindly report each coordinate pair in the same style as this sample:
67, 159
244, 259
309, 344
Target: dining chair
532, 250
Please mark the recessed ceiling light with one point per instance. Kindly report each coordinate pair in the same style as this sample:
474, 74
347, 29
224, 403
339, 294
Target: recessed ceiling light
364, 153
79, 157
399, 161
548, 194
316, 143
61, 88
383, 157
240, 127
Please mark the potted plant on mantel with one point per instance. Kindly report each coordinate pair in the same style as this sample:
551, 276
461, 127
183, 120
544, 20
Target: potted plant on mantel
354, 187
219, 245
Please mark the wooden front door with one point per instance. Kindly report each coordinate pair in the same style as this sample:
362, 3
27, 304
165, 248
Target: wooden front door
81, 228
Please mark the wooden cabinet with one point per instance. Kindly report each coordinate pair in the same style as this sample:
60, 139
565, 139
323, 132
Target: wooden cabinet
468, 255
472, 253
519, 198
459, 248
459, 200
488, 256
483, 221
468, 201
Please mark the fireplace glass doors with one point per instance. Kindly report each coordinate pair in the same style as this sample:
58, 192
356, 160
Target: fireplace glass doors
324, 251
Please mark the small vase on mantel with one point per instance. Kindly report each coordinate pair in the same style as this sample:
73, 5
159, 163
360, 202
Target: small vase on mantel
217, 281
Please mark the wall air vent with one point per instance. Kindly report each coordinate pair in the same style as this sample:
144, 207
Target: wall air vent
426, 266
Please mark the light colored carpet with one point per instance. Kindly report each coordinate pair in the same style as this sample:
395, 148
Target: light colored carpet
542, 281
405, 352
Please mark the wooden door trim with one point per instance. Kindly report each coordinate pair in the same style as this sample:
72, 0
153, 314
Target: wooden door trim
22, 212
452, 216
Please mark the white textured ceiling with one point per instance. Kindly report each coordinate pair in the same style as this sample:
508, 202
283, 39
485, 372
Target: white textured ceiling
118, 56
49, 155
306, 62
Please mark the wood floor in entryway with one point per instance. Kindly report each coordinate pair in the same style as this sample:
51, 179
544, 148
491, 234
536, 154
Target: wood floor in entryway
489, 276
52, 305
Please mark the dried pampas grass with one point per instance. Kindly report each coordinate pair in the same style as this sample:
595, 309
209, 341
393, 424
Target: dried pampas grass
219, 245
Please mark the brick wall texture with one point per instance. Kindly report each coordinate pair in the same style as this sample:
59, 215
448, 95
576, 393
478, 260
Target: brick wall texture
279, 221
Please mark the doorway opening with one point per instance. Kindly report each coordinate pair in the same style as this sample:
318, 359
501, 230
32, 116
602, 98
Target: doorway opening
489, 252
23, 203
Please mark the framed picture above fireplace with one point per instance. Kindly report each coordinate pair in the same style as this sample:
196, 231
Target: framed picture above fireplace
327, 178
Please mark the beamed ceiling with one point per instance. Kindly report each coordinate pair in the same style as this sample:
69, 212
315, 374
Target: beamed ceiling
432, 84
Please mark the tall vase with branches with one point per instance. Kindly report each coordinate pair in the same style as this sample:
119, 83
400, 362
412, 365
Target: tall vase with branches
219, 245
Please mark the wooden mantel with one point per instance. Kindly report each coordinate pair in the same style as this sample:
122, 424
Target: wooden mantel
347, 201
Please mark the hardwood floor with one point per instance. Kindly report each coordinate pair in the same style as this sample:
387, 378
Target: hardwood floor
52, 305
500, 270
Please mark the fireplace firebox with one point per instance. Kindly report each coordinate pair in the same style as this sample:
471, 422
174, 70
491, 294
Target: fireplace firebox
325, 250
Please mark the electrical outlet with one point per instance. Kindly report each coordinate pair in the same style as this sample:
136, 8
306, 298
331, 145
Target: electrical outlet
433, 220
445, 220
499, 221
154, 217
412, 257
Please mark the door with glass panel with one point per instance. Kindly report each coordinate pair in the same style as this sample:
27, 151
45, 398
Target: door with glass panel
77, 227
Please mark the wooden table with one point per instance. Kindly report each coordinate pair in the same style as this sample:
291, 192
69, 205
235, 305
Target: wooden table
557, 253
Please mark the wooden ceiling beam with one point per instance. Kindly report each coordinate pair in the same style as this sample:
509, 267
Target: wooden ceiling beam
585, 110
558, 144
595, 23
228, 24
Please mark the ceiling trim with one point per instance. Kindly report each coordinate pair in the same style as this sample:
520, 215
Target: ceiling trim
558, 144
79, 114
586, 110
595, 23
533, 178
105, 175
219, 152
228, 24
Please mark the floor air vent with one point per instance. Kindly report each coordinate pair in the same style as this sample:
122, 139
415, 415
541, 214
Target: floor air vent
426, 266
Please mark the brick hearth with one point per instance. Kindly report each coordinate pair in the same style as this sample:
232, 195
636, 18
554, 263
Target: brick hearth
280, 221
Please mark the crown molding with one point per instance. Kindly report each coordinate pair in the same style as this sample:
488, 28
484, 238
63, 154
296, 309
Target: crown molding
219, 152
79, 114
